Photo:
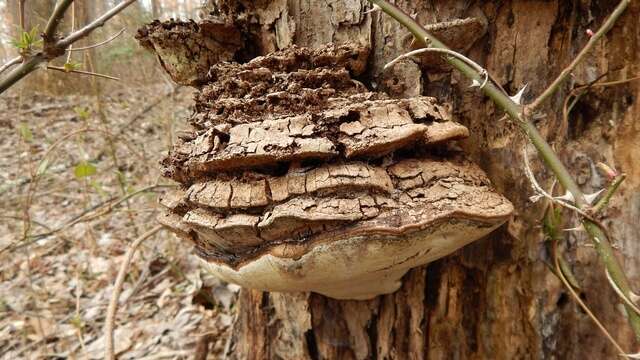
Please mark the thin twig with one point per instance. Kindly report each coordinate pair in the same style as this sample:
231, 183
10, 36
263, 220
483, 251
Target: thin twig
555, 85
99, 22
117, 288
73, 28
577, 92
615, 184
577, 299
86, 215
621, 295
55, 19
541, 192
470, 62
606, 83
21, 14
10, 63
57, 68
98, 44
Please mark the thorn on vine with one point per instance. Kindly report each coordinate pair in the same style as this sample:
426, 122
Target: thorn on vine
517, 98
567, 197
590, 198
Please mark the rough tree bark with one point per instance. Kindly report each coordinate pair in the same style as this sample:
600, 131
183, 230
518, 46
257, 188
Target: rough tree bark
494, 299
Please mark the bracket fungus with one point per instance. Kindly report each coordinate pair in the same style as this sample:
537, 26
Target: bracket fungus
295, 177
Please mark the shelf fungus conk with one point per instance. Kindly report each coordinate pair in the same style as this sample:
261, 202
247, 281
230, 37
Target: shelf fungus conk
297, 178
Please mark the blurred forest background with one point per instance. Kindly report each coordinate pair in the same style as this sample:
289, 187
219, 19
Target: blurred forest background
79, 181
123, 58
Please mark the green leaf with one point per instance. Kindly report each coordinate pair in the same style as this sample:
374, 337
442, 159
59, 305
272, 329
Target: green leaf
42, 168
70, 66
27, 40
82, 112
34, 32
76, 321
84, 169
25, 132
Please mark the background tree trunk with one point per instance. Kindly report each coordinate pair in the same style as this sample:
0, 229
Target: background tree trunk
495, 298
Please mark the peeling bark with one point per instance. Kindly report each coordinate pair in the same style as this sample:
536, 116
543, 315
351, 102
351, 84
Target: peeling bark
186, 50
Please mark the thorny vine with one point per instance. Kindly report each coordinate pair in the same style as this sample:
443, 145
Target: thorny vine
521, 114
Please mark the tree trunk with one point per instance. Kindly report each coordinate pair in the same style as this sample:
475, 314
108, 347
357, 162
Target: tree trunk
496, 298
155, 9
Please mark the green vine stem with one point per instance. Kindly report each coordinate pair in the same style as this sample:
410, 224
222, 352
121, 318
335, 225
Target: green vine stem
615, 184
549, 157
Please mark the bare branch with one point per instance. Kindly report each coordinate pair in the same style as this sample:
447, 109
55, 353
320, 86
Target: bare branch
21, 71
584, 307
470, 62
10, 63
55, 19
117, 288
621, 295
57, 68
583, 53
21, 13
87, 29
73, 28
98, 44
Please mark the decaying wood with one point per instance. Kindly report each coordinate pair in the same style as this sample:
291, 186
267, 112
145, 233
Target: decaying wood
494, 299
186, 50
294, 167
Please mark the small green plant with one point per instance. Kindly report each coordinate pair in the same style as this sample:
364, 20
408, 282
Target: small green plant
82, 112
84, 169
25, 132
27, 41
71, 66
76, 322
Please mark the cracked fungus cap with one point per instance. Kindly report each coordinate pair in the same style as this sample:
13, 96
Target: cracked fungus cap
296, 178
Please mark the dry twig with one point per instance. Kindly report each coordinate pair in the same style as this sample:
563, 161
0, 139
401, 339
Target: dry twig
117, 288
10, 63
604, 28
581, 303
98, 44
82, 72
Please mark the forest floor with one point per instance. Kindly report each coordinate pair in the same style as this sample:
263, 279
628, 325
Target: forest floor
79, 181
